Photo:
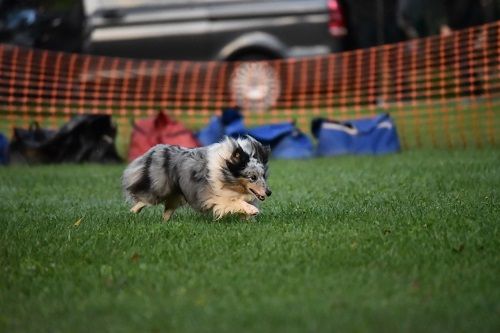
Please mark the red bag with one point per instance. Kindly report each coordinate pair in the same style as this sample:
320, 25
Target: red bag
160, 129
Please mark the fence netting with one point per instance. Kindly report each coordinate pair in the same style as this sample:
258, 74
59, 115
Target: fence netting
442, 91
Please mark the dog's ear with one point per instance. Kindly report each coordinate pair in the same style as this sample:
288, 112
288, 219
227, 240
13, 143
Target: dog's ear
238, 161
262, 152
266, 150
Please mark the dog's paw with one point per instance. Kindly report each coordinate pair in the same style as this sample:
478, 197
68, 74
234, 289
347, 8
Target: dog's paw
137, 207
251, 210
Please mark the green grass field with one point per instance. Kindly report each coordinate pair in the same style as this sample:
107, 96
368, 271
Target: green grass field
402, 243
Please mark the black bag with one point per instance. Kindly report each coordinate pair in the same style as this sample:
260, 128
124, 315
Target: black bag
86, 138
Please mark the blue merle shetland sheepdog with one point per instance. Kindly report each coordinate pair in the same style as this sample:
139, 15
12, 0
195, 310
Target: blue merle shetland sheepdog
224, 178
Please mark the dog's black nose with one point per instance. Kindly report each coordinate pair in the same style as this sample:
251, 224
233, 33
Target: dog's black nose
268, 192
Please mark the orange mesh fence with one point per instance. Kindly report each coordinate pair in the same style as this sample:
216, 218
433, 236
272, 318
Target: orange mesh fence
442, 91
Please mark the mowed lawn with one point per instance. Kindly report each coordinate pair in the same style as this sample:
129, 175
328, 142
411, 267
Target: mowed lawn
406, 243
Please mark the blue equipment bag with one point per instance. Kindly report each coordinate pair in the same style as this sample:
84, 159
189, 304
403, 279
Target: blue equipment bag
372, 136
230, 124
270, 134
296, 145
4, 149
212, 133
286, 140
232, 120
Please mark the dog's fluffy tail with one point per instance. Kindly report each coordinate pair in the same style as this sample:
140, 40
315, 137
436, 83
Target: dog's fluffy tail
133, 178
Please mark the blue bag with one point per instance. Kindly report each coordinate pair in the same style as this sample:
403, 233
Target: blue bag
4, 149
296, 145
270, 134
212, 133
372, 136
230, 124
232, 120
286, 140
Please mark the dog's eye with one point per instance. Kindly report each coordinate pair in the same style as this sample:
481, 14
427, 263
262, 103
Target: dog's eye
253, 178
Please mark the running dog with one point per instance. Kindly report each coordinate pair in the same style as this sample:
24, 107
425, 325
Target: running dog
224, 178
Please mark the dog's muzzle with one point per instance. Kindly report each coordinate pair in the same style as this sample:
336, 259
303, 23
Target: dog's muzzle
260, 196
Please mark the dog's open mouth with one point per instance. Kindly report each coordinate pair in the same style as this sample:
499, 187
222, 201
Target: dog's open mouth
258, 196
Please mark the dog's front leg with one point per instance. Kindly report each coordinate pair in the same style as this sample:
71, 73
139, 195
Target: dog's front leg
248, 209
234, 206
138, 207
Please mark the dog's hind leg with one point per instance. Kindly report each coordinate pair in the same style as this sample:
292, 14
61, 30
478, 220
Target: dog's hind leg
171, 204
138, 207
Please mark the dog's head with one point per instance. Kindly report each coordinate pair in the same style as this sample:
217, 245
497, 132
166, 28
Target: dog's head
246, 168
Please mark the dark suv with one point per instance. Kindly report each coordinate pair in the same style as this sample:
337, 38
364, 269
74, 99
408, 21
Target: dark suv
213, 29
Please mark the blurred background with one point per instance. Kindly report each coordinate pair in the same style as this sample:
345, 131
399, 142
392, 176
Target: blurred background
231, 29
